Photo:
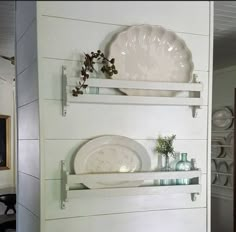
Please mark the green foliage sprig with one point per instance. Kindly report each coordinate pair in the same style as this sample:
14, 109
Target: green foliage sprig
164, 145
107, 67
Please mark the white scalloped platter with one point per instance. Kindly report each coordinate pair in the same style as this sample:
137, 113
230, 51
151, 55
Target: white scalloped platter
112, 154
151, 53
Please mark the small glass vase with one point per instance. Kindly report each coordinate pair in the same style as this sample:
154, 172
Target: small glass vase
183, 165
166, 168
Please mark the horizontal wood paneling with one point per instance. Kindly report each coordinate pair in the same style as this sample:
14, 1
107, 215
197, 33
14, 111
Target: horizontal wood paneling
66, 31
70, 43
179, 16
29, 192
110, 205
28, 157
25, 13
57, 150
52, 74
193, 220
28, 121
26, 221
26, 49
27, 85
85, 121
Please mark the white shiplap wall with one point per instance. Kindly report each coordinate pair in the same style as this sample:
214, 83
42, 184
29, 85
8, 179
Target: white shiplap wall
28, 188
64, 31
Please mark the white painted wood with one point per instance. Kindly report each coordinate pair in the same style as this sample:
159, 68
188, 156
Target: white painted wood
134, 100
26, 221
109, 83
26, 49
122, 120
28, 192
52, 74
28, 157
27, 85
82, 178
65, 39
179, 16
67, 149
210, 79
166, 190
118, 204
25, 14
193, 220
28, 121
137, 100
84, 37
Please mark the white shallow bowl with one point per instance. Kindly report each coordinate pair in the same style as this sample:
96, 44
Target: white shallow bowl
151, 53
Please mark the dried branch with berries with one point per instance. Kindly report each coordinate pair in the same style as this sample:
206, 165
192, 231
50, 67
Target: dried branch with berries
107, 67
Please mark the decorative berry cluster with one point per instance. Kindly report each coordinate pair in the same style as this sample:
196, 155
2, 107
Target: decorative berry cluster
107, 67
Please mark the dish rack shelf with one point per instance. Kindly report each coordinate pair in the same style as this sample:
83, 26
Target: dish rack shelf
69, 180
194, 99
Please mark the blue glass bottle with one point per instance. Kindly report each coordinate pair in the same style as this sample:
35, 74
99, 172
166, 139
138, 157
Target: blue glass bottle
183, 165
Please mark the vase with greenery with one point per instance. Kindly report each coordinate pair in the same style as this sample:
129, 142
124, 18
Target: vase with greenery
165, 148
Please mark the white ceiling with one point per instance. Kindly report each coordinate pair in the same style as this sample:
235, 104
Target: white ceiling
224, 33
7, 38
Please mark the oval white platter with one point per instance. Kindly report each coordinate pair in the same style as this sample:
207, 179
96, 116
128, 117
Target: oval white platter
151, 53
112, 154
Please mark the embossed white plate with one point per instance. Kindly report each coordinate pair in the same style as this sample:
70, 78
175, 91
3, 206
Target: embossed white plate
112, 154
222, 118
151, 53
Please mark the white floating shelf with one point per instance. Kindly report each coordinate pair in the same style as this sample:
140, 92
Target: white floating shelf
69, 180
69, 83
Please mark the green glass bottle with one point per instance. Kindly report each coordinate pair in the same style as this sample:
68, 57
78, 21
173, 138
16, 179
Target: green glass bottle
183, 165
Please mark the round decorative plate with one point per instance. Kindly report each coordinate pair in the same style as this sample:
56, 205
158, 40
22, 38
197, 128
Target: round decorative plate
231, 171
151, 53
217, 149
213, 169
230, 144
222, 118
223, 168
112, 154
